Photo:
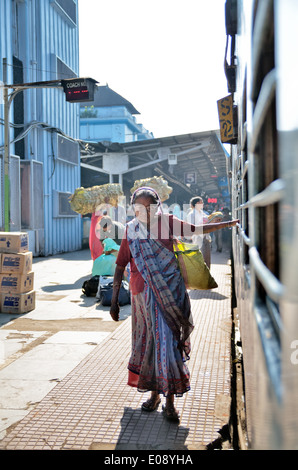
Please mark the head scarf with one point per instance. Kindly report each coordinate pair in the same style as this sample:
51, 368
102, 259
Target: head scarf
147, 188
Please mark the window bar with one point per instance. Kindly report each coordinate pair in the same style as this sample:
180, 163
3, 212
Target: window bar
271, 195
271, 284
263, 23
265, 98
243, 174
243, 235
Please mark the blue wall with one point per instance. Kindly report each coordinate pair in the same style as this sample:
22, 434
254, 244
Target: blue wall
47, 44
112, 123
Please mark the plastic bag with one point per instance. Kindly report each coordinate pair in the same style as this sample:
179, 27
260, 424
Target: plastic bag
104, 265
192, 266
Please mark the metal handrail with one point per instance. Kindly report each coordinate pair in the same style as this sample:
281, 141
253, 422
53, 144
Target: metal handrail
271, 284
261, 26
245, 169
265, 98
243, 235
271, 195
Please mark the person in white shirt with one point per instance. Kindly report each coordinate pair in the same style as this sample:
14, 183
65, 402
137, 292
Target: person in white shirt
198, 217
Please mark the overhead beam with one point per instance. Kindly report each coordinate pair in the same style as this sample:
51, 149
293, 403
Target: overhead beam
101, 170
94, 168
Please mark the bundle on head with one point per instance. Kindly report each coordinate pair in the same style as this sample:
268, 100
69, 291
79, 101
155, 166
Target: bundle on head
86, 200
156, 182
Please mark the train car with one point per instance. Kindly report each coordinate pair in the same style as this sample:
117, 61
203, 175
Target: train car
261, 67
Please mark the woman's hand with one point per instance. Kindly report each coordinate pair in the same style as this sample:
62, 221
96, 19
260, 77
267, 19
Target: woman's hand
230, 223
207, 228
114, 311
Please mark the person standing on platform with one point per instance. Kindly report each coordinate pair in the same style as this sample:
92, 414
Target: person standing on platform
161, 314
109, 228
215, 217
95, 245
118, 214
197, 217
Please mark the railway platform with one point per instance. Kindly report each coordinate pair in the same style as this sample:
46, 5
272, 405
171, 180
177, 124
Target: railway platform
63, 370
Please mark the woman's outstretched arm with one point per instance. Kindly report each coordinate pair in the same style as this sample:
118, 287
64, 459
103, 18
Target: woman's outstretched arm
188, 230
207, 228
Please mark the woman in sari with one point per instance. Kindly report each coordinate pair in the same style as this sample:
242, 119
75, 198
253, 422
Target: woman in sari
161, 314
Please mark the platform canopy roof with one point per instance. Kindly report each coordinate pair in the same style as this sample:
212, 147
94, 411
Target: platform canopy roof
199, 155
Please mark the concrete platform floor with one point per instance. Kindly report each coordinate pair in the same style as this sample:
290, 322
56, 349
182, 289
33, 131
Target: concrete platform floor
63, 370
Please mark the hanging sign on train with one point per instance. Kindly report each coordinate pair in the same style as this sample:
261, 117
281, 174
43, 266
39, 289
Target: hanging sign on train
225, 112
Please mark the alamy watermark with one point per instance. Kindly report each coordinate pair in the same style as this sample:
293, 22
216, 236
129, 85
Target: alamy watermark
294, 355
149, 215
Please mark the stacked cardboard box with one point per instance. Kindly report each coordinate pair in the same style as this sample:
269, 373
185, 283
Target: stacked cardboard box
16, 276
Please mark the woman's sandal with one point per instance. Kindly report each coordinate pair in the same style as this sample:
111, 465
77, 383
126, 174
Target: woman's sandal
170, 413
151, 404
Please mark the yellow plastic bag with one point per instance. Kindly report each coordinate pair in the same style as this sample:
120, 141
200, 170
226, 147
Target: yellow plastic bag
194, 270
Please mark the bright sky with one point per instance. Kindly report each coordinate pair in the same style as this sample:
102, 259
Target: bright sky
164, 56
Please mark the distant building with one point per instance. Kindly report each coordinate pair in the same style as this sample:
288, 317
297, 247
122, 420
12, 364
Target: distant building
39, 40
110, 118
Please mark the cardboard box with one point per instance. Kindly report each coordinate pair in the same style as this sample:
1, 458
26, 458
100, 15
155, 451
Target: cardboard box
18, 303
20, 263
14, 242
20, 283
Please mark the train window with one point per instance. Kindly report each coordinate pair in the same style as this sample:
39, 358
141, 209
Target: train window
264, 149
241, 202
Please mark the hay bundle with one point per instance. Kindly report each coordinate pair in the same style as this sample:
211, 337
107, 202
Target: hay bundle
156, 182
86, 200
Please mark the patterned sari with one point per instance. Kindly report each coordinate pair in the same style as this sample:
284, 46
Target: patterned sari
161, 318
